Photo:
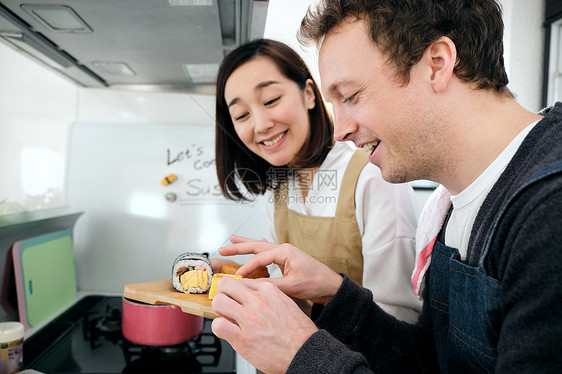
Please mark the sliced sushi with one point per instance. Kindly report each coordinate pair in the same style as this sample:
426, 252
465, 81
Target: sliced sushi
192, 273
215, 282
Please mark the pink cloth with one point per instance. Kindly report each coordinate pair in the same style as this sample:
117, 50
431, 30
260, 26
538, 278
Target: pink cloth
430, 223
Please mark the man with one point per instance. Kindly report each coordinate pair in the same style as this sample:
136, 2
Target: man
421, 85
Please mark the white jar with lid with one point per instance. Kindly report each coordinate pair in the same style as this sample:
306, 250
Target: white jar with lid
11, 347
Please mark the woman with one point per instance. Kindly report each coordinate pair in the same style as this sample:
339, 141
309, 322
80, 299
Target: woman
274, 133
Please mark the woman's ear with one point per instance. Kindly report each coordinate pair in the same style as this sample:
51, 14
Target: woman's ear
441, 56
309, 96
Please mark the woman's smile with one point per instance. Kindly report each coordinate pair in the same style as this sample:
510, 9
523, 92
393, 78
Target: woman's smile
275, 142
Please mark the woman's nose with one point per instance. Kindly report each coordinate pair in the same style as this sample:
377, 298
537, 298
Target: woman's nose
262, 123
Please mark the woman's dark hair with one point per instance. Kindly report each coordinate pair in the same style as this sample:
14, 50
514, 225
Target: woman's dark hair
235, 163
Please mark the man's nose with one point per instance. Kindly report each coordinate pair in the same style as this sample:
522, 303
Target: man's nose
344, 127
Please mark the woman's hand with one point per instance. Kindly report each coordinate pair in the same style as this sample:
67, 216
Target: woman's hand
216, 263
303, 278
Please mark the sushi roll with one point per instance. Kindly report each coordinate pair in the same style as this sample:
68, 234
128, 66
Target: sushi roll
192, 273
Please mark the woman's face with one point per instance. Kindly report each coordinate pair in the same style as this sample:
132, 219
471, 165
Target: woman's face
269, 111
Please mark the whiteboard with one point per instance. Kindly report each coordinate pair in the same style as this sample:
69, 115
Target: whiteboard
134, 226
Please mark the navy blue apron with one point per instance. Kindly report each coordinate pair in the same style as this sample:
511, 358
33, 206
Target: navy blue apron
465, 303
466, 314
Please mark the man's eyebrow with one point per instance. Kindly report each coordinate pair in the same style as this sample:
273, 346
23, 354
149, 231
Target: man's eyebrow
260, 86
333, 88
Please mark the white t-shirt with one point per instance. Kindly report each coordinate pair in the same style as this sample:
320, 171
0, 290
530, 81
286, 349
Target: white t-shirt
387, 222
466, 204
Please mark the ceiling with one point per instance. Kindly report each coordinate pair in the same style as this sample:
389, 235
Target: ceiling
149, 45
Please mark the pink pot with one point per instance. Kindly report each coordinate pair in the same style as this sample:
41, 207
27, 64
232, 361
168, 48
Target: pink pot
158, 325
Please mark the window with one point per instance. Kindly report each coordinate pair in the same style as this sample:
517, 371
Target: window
553, 53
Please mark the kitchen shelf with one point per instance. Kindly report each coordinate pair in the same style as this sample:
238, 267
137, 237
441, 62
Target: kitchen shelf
34, 217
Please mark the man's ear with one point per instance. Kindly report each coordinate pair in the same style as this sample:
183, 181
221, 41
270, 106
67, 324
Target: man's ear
309, 96
442, 57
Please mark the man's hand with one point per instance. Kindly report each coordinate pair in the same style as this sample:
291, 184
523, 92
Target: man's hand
261, 323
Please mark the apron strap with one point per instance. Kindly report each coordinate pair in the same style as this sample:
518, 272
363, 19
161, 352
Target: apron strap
346, 199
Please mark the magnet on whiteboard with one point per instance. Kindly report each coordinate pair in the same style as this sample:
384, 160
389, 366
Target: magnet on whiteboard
169, 179
171, 197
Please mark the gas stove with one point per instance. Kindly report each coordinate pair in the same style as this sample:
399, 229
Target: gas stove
87, 338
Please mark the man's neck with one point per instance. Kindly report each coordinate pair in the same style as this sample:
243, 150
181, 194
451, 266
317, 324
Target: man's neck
485, 126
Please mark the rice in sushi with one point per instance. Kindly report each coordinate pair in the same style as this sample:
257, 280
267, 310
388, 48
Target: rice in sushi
192, 273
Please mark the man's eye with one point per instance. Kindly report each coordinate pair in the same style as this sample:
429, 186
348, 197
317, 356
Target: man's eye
349, 99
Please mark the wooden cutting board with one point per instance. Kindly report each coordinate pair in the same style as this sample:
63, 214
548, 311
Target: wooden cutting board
162, 292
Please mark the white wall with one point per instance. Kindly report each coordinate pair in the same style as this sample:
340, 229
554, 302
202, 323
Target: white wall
524, 49
283, 21
35, 106
106, 105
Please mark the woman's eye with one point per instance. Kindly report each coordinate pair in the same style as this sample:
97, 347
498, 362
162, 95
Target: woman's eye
269, 102
241, 117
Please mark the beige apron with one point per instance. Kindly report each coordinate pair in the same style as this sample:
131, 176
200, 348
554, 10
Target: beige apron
335, 241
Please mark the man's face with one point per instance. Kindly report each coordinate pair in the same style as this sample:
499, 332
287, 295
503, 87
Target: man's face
372, 107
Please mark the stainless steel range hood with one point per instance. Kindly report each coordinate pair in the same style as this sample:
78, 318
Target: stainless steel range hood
150, 45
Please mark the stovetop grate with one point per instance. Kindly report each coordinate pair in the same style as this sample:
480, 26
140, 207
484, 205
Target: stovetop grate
87, 338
